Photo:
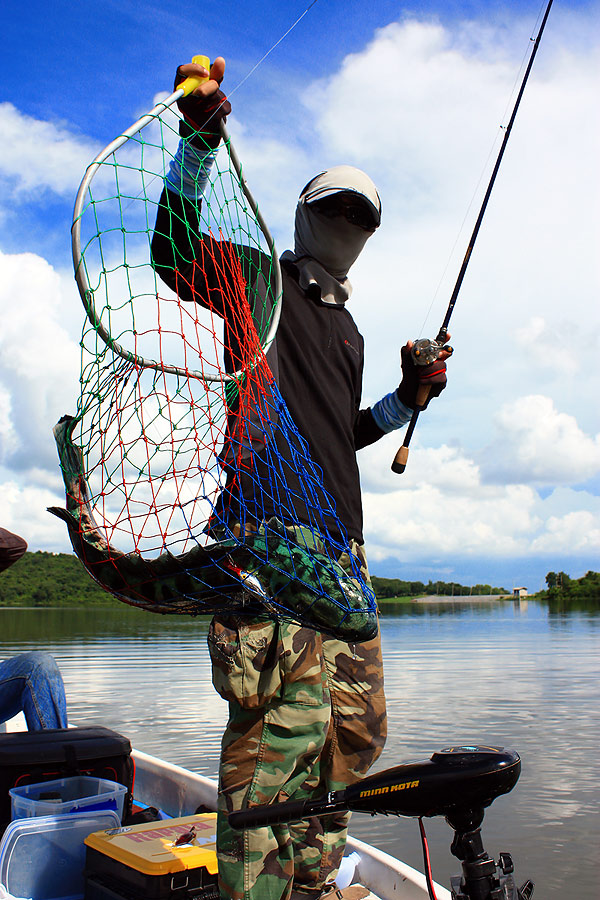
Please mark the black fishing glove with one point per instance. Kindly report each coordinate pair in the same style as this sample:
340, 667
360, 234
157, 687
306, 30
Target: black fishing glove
414, 376
202, 116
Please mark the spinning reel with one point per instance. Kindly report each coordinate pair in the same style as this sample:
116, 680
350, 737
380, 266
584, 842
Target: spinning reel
457, 783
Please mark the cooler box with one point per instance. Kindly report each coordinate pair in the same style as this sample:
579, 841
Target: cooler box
83, 793
146, 861
30, 757
44, 858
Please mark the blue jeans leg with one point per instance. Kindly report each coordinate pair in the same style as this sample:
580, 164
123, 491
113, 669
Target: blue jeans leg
31, 683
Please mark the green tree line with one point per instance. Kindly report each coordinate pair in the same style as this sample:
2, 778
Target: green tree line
59, 579
50, 579
386, 588
561, 587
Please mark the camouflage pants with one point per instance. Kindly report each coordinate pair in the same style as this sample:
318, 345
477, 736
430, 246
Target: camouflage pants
306, 716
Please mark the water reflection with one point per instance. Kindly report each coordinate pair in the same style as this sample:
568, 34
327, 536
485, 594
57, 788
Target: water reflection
516, 675
510, 678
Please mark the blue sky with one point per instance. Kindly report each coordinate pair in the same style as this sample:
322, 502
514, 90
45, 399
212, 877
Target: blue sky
81, 61
505, 470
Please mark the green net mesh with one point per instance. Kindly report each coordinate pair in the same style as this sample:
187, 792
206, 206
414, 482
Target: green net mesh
179, 459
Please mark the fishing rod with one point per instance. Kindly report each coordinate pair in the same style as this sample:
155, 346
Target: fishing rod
425, 351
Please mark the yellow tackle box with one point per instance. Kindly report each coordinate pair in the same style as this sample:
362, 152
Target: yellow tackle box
154, 861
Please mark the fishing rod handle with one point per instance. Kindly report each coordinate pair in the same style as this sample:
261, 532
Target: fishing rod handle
401, 457
400, 460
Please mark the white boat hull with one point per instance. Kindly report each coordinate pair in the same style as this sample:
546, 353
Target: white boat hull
180, 792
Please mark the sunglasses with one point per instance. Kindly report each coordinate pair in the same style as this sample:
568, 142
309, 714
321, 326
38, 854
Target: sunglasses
353, 211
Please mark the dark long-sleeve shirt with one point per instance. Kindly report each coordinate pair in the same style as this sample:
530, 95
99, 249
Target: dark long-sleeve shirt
317, 360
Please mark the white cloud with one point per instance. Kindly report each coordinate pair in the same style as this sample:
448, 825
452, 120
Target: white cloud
39, 359
441, 509
574, 532
38, 156
445, 468
554, 347
425, 523
534, 442
276, 170
8, 437
24, 512
430, 93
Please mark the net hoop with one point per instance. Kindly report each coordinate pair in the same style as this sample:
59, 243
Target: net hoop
85, 291
184, 496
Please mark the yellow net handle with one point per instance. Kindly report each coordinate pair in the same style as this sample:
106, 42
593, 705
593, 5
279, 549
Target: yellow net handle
190, 84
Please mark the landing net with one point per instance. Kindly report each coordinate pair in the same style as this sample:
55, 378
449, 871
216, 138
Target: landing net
179, 459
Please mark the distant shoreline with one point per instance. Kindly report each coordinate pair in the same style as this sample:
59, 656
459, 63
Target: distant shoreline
465, 598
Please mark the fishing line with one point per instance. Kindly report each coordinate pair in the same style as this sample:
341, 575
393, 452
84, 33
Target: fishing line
276, 44
461, 229
262, 59
238, 85
485, 168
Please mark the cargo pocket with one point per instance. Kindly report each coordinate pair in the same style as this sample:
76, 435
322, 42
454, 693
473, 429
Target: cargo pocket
302, 666
245, 661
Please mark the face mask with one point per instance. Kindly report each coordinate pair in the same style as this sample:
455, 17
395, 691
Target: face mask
335, 242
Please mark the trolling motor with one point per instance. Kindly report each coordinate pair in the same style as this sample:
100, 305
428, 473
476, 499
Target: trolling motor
457, 783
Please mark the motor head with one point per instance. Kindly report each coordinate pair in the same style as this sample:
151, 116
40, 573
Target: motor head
453, 779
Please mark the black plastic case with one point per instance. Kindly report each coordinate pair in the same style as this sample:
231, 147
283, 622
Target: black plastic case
30, 757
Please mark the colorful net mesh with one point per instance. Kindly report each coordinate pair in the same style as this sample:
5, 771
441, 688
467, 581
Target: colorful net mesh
178, 490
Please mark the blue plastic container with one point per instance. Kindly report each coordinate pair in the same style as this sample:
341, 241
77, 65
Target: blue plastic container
82, 793
43, 858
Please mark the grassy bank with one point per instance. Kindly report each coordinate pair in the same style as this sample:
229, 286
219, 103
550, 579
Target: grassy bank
51, 579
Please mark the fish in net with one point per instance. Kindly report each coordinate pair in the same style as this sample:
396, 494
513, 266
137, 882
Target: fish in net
189, 489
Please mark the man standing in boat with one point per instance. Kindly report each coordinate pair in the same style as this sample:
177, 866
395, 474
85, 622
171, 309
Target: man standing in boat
307, 711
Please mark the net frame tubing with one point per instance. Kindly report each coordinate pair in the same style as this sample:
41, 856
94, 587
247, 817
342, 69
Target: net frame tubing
85, 291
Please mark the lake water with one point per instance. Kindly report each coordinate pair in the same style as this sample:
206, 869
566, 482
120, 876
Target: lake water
501, 673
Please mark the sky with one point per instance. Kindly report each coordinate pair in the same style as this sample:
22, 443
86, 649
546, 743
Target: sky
503, 480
